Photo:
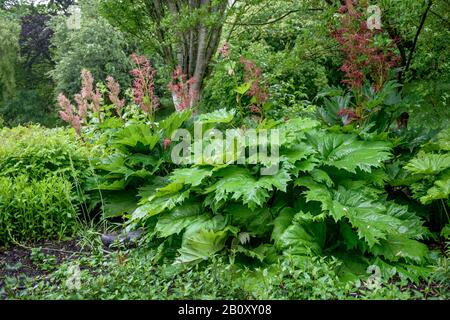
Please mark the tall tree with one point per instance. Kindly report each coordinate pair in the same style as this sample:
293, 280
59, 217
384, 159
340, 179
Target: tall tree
183, 33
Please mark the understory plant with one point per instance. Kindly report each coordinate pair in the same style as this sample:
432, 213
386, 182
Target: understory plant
43, 175
326, 199
424, 177
33, 210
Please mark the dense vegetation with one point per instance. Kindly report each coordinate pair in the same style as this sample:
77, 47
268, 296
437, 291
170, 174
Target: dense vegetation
353, 104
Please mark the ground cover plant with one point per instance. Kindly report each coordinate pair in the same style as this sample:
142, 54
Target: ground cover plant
224, 150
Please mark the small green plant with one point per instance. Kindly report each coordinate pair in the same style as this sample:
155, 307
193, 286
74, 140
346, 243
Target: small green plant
32, 210
44, 261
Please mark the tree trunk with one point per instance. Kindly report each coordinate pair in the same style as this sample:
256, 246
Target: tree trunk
194, 45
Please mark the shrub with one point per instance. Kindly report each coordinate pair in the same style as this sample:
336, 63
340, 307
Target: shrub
36, 209
42, 176
39, 152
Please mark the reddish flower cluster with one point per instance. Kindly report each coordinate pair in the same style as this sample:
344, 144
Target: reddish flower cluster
225, 50
85, 100
113, 94
362, 57
87, 84
348, 115
183, 90
144, 84
258, 89
166, 143
255, 109
68, 113
88, 94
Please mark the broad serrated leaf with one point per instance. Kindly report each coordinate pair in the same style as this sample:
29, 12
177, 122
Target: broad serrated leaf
193, 176
396, 247
256, 222
321, 176
294, 130
156, 205
345, 151
303, 238
238, 184
367, 217
174, 121
428, 163
218, 116
412, 225
118, 203
281, 222
316, 192
136, 138
177, 219
202, 239
440, 189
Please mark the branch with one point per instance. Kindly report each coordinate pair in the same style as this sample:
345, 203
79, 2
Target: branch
441, 17
416, 38
277, 19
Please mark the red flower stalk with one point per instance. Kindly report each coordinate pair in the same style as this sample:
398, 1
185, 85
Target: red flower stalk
82, 106
362, 57
67, 113
114, 91
87, 84
144, 84
258, 88
183, 91
96, 101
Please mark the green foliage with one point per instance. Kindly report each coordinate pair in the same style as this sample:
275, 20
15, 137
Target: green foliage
432, 170
96, 46
133, 158
9, 49
327, 195
43, 172
39, 152
33, 210
147, 277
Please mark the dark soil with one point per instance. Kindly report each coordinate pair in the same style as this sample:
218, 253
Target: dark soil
16, 260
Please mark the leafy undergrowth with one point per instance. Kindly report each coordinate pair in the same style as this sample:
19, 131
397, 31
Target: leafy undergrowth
143, 274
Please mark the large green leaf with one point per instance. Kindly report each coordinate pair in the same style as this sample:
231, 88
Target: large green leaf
440, 190
177, 219
156, 205
367, 217
345, 151
396, 247
303, 237
174, 121
428, 163
137, 138
282, 222
193, 176
412, 225
202, 239
239, 184
316, 192
294, 130
255, 221
118, 203
218, 116
371, 219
